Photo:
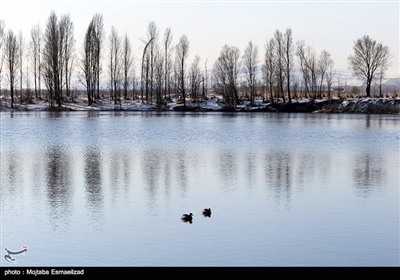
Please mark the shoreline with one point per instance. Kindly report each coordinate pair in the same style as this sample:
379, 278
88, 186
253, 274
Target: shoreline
362, 105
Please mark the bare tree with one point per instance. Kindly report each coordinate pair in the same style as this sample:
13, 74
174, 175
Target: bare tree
205, 81
159, 78
329, 78
225, 75
98, 38
182, 52
144, 74
194, 78
250, 61
308, 65
269, 66
91, 57
339, 86
27, 78
67, 42
280, 51
51, 62
12, 60
35, 49
152, 35
61, 58
127, 63
88, 64
168, 50
301, 54
21, 48
381, 73
175, 78
288, 59
324, 63
115, 64
368, 56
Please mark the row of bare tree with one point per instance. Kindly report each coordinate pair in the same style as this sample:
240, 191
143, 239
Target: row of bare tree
50, 53
277, 69
52, 60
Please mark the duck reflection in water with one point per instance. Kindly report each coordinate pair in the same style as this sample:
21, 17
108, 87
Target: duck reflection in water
207, 212
187, 218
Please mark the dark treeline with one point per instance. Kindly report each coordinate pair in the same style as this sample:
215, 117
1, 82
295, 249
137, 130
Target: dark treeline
283, 69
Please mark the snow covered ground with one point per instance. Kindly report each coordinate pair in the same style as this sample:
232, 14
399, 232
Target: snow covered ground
104, 104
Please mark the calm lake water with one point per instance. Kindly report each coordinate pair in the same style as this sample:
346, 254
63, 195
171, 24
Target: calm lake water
109, 188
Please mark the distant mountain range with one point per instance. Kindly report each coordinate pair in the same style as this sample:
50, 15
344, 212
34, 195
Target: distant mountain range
392, 81
344, 75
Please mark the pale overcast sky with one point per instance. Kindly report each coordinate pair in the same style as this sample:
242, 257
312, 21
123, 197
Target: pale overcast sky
329, 25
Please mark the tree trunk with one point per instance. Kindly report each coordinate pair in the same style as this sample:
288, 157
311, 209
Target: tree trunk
368, 89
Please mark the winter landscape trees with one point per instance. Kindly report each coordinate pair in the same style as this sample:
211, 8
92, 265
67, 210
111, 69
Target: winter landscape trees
115, 65
225, 75
35, 54
127, 64
250, 61
368, 57
182, 52
57, 56
91, 57
282, 71
11, 50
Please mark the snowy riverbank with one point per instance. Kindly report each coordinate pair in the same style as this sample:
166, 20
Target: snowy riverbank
334, 105
345, 105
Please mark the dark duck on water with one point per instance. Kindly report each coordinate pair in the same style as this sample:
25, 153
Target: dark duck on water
187, 217
207, 212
